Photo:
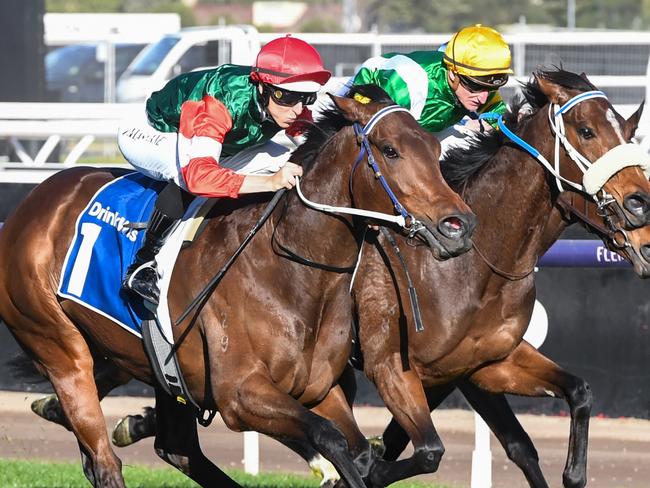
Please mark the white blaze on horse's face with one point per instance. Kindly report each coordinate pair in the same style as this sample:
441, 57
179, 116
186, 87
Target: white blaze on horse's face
611, 118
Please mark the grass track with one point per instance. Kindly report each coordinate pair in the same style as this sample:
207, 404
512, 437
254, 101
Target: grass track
33, 474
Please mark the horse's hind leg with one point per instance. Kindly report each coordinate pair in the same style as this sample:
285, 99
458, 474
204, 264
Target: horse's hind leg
107, 378
527, 372
496, 411
62, 354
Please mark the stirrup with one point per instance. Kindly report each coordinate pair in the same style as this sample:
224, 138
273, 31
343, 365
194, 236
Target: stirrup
146, 288
131, 274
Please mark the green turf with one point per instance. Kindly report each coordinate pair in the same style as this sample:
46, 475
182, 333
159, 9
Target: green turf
32, 474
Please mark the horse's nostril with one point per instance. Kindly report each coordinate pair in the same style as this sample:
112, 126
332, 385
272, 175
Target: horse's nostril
452, 227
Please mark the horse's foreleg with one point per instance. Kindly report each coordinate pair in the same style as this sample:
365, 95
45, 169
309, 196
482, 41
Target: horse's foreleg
527, 372
496, 412
404, 396
395, 439
177, 443
335, 407
257, 404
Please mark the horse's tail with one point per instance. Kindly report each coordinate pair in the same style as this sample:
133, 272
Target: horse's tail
22, 367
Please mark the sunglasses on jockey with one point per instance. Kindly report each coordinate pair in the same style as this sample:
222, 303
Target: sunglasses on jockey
288, 98
480, 84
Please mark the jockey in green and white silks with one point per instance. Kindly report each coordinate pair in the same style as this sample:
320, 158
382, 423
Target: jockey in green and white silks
442, 87
208, 133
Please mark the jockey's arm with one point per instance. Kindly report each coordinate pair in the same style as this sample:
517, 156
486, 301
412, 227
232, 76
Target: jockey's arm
203, 127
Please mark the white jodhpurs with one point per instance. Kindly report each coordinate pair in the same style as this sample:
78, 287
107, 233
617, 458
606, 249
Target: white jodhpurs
155, 153
151, 152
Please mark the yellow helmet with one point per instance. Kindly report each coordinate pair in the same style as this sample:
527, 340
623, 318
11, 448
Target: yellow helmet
478, 51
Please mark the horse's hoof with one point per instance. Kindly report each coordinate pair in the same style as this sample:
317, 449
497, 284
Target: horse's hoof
377, 445
133, 428
573, 481
48, 408
122, 432
325, 471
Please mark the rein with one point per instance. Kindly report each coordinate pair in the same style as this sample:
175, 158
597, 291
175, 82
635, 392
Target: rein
567, 204
201, 299
289, 254
404, 219
499, 271
413, 295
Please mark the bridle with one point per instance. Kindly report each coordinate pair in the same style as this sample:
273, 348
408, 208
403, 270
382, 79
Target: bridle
409, 224
595, 174
614, 233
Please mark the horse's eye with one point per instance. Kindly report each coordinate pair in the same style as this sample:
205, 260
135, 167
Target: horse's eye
389, 152
586, 132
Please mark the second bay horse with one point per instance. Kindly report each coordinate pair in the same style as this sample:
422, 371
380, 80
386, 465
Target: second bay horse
476, 308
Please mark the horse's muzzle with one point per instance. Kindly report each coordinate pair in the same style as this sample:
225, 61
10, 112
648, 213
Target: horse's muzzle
451, 237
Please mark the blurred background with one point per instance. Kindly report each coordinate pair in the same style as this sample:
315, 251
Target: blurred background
70, 70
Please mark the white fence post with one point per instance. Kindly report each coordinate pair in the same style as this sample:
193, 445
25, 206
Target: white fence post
482, 455
251, 452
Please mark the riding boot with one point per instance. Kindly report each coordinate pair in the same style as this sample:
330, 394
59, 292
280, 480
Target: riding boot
142, 276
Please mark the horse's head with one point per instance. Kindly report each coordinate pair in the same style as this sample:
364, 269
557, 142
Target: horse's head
402, 173
594, 157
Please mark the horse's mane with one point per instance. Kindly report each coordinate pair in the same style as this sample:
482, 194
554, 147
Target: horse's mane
330, 121
460, 164
318, 133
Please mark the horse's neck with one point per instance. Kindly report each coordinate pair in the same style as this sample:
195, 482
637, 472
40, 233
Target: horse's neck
513, 202
319, 236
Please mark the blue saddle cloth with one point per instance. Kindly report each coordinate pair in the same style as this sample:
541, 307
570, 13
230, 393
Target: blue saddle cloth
104, 246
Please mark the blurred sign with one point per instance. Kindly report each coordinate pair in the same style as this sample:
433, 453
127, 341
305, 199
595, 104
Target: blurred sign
568, 253
278, 14
68, 28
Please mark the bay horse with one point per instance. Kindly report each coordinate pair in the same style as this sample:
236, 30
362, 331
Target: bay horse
474, 325
269, 345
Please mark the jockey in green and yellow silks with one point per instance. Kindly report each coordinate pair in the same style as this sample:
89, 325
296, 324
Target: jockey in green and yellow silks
441, 87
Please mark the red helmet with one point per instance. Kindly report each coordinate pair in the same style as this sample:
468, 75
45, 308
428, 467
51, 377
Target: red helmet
291, 64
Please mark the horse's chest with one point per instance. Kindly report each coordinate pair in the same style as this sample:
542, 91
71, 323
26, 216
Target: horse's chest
485, 341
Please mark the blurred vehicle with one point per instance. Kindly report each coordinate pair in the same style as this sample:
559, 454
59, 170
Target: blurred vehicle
187, 50
75, 73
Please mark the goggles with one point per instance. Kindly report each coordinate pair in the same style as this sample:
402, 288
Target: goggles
483, 83
288, 98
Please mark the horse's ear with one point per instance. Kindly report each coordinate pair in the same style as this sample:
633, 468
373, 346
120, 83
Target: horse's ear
554, 92
632, 123
583, 75
351, 109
